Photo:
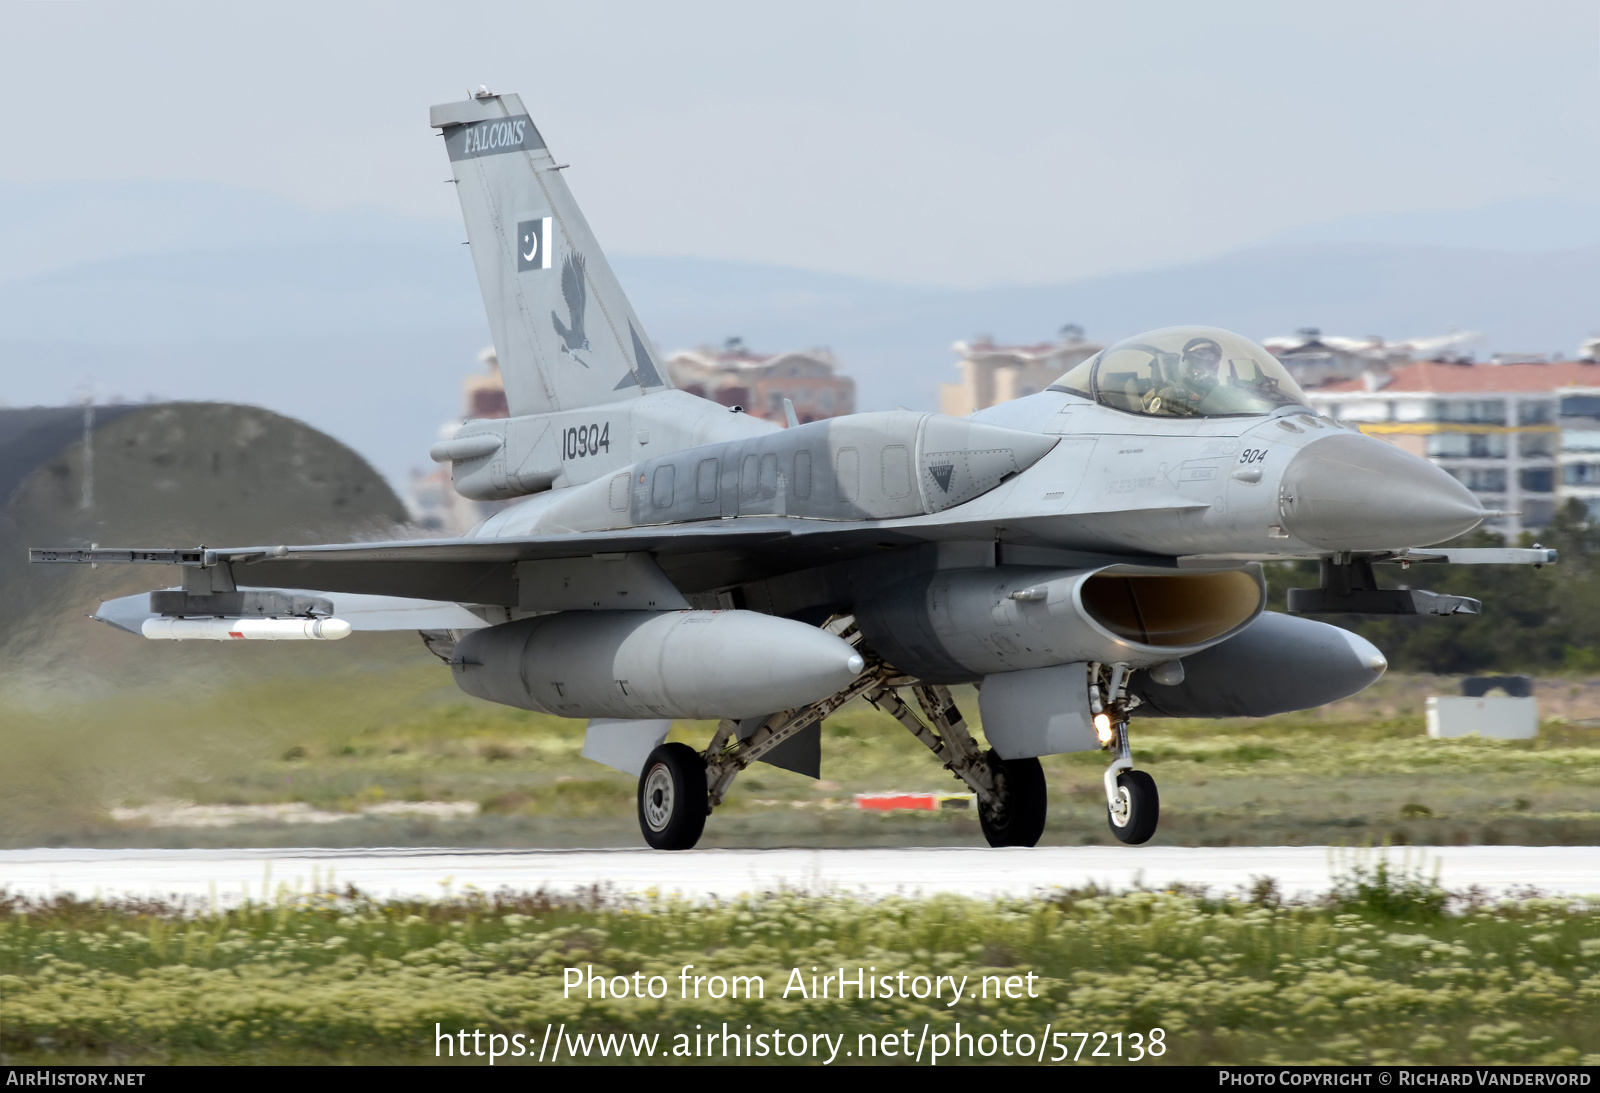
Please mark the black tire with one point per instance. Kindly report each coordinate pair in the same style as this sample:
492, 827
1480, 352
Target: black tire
1144, 808
673, 800
1021, 822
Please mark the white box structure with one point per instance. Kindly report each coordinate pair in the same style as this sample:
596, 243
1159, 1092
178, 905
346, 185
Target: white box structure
1498, 716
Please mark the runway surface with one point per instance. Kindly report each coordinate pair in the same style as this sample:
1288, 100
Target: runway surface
230, 875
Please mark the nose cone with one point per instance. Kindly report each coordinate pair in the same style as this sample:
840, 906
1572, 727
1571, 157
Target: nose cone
1351, 492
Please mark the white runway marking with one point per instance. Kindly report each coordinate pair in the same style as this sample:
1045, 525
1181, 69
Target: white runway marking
429, 873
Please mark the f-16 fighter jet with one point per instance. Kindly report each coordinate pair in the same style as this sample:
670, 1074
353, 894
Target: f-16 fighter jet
1081, 555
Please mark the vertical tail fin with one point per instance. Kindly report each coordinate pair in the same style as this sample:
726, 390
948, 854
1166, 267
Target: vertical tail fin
565, 334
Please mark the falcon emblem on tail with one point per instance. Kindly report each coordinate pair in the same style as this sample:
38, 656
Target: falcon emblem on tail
573, 290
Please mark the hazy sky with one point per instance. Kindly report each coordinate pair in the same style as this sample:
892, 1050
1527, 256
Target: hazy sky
961, 144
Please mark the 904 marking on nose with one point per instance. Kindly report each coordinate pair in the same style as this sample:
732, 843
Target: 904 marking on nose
582, 440
1252, 455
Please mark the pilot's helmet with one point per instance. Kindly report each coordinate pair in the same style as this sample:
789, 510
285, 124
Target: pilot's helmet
1201, 360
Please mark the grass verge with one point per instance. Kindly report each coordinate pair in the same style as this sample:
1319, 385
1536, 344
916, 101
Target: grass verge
1387, 969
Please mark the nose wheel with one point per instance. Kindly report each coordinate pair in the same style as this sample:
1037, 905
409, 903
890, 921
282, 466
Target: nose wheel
1134, 807
673, 799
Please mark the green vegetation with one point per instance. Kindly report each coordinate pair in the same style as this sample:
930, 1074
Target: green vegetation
1386, 970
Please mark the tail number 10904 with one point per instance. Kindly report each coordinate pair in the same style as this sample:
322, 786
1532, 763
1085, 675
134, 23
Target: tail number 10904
583, 440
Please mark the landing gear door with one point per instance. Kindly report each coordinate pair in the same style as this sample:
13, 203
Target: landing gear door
1040, 711
624, 745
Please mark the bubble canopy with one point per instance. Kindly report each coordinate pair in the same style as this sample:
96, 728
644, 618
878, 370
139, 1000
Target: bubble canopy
1185, 371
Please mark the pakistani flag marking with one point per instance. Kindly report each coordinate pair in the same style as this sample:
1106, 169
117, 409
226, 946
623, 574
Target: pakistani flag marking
533, 244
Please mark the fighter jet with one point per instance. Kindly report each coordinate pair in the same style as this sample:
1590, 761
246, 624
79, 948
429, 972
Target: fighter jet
1080, 555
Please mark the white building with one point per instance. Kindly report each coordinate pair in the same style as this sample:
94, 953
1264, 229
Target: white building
1314, 358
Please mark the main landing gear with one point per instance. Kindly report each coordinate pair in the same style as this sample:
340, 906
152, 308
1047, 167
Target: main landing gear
679, 786
672, 791
1019, 818
1011, 792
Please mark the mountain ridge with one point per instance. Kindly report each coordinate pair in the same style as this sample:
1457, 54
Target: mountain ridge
364, 325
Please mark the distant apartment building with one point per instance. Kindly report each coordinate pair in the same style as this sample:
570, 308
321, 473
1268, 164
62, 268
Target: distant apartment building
733, 375
431, 495
1525, 437
1315, 359
483, 394
992, 374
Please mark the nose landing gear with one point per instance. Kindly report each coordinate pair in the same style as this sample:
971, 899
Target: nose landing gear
1133, 807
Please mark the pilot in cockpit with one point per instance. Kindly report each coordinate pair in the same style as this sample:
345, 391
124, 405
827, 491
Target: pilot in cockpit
1196, 376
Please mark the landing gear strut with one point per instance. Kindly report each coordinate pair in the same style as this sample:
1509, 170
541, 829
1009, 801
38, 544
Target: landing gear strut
1012, 801
679, 786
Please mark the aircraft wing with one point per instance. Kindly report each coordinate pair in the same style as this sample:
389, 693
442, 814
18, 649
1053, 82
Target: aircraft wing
694, 557
455, 570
